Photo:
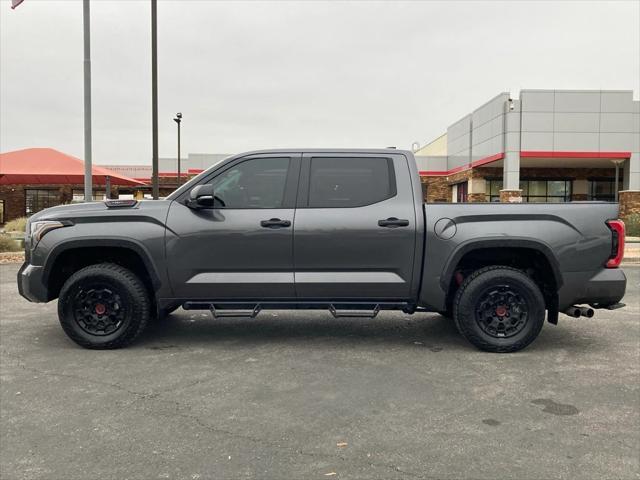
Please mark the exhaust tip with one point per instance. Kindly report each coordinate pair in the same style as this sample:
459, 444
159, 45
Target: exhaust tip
573, 312
587, 312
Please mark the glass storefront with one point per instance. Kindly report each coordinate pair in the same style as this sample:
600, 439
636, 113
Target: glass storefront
536, 190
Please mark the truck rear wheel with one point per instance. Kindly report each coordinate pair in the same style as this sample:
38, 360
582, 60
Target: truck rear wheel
103, 306
499, 309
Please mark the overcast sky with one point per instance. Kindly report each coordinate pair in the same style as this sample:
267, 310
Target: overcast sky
287, 74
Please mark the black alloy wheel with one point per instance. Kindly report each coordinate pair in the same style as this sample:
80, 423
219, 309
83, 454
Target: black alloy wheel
499, 309
104, 306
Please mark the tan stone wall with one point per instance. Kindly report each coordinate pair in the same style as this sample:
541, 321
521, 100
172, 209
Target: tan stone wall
476, 198
629, 203
436, 188
511, 196
439, 188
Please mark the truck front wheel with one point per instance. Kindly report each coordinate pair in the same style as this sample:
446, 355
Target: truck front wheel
499, 309
103, 306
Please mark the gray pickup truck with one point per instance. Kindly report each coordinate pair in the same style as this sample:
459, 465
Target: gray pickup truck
343, 230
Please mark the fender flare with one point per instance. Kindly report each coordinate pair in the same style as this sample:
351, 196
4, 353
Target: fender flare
85, 242
471, 245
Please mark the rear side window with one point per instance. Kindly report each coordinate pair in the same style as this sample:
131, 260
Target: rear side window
350, 181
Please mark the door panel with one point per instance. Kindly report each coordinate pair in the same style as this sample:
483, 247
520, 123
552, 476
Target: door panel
243, 248
361, 252
226, 253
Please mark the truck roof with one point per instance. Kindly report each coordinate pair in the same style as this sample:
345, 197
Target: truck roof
323, 150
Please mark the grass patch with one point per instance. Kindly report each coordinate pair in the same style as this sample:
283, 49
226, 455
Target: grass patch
8, 244
16, 225
632, 224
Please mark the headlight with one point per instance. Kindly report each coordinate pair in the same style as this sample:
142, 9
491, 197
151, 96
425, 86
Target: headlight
38, 229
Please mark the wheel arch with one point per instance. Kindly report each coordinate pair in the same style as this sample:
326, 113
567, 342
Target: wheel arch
97, 246
472, 246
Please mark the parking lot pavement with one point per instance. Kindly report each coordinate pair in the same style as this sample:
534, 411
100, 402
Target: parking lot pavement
303, 395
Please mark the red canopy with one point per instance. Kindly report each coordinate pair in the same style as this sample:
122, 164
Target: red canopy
49, 166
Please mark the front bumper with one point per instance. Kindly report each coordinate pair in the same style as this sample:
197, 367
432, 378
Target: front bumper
605, 287
30, 283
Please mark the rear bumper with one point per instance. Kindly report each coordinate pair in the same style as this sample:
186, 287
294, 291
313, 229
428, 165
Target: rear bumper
30, 283
605, 287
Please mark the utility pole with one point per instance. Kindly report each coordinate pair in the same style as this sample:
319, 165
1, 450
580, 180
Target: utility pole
178, 120
86, 23
154, 96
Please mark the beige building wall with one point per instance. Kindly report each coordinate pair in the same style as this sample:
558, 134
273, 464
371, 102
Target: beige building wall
438, 147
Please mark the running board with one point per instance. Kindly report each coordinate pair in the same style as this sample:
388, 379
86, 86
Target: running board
338, 310
354, 313
235, 313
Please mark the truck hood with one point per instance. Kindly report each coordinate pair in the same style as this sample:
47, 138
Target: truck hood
100, 210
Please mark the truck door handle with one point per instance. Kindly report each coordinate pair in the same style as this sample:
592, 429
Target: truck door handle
393, 222
275, 223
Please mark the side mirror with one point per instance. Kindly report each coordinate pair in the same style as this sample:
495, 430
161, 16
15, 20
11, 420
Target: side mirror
201, 197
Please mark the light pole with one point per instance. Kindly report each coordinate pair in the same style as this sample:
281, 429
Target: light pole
178, 120
88, 180
155, 186
617, 163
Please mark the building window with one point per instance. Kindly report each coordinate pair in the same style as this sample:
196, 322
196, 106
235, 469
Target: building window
1, 212
534, 190
545, 191
39, 199
459, 192
602, 189
492, 192
98, 195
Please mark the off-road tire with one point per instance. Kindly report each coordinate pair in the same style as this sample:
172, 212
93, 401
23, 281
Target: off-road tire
132, 294
471, 292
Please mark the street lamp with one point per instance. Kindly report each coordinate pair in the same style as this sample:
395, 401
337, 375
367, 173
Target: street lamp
617, 163
178, 119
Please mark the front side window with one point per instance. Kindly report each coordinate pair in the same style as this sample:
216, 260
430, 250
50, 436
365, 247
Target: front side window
350, 181
39, 199
256, 183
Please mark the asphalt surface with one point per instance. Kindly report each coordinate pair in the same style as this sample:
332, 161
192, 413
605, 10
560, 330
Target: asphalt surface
303, 395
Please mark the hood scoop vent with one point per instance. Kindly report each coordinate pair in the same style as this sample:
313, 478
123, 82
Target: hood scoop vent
120, 203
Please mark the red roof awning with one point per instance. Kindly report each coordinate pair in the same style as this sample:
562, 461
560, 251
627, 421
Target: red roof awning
49, 166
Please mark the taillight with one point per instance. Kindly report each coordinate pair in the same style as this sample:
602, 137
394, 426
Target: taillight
617, 243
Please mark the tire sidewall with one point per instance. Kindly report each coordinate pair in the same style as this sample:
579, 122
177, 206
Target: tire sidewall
465, 309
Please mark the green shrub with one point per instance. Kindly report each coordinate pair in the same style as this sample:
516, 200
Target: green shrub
8, 244
632, 222
16, 225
